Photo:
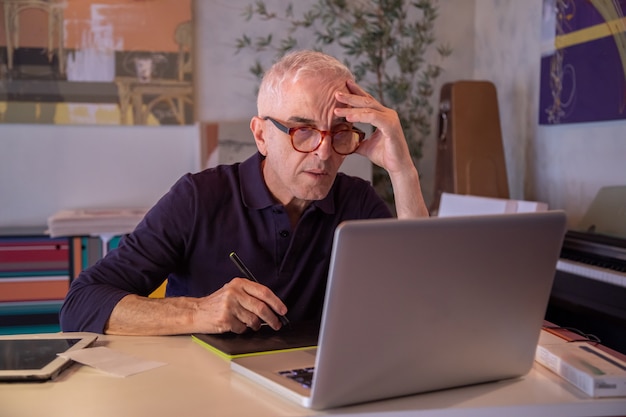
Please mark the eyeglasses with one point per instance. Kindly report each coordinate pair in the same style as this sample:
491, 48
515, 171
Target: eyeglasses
307, 139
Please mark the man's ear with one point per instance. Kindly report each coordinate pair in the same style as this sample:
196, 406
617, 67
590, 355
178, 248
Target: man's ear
256, 125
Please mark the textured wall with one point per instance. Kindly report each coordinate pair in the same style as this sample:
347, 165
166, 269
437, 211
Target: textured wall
563, 165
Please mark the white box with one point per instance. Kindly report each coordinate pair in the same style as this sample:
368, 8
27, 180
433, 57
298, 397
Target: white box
594, 371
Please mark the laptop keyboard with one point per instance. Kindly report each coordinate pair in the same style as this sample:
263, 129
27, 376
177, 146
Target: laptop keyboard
303, 376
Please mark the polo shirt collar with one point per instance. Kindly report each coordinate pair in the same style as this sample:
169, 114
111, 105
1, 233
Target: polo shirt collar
256, 195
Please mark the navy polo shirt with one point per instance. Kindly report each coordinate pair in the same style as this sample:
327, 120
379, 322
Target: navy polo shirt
188, 235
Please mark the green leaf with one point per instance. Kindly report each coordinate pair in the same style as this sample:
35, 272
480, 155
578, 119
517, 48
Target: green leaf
263, 42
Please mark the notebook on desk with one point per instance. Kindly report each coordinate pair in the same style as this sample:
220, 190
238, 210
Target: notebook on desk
421, 305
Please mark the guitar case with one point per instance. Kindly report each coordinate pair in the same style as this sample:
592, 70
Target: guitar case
470, 154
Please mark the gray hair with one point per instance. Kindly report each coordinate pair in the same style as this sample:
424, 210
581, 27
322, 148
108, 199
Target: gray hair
296, 65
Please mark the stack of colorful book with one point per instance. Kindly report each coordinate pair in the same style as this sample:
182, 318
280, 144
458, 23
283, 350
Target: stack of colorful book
34, 279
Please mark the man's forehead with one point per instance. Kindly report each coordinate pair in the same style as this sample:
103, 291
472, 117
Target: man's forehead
319, 87
310, 101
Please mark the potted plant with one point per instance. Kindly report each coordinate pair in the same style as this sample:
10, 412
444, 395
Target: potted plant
388, 44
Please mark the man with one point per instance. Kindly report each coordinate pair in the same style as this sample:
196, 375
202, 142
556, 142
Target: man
278, 210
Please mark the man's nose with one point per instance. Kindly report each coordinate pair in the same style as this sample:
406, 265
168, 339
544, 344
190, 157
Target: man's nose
325, 150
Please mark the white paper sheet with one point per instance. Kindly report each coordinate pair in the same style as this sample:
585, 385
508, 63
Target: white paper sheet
111, 361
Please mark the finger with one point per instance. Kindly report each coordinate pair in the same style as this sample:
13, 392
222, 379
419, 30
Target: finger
258, 303
254, 323
264, 294
360, 109
234, 309
261, 313
360, 115
354, 88
246, 320
238, 326
224, 310
358, 101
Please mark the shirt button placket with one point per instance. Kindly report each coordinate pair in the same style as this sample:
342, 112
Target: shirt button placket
281, 224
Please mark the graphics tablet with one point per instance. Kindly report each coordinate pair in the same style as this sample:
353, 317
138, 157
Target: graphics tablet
34, 357
298, 336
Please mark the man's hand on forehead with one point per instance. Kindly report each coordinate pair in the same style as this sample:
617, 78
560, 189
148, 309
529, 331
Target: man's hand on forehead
360, 106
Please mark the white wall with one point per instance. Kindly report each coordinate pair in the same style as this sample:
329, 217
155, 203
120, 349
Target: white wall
455, 27
44, 169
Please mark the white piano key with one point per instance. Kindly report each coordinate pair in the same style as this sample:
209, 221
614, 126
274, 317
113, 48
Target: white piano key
593, 272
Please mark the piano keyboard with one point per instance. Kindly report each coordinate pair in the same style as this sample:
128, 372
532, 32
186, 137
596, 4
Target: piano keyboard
593, 272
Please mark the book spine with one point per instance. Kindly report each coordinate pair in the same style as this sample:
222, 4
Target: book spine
24, 255
32, 289
94, 251
38, 251
76, 257
34, 279
30, 317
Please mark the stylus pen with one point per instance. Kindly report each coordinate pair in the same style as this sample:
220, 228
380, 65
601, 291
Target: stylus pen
248, 274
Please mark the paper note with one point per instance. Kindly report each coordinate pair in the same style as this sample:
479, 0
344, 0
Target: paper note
467, 205
111, 361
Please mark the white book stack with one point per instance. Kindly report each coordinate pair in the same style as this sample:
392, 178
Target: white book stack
592, 370
95, 222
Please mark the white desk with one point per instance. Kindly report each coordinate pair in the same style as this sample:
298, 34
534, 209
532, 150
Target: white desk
198, 383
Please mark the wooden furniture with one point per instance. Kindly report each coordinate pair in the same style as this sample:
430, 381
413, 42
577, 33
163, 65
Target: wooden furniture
183, 35
54, 9
134, 93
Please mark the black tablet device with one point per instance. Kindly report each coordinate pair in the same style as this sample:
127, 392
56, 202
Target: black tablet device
34, 357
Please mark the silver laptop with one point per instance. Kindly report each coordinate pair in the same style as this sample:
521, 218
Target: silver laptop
421, 305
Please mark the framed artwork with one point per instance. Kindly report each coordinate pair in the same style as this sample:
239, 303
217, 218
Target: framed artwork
583, 63
115, 62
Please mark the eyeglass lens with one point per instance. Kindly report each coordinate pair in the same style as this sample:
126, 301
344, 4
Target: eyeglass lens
306, 139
